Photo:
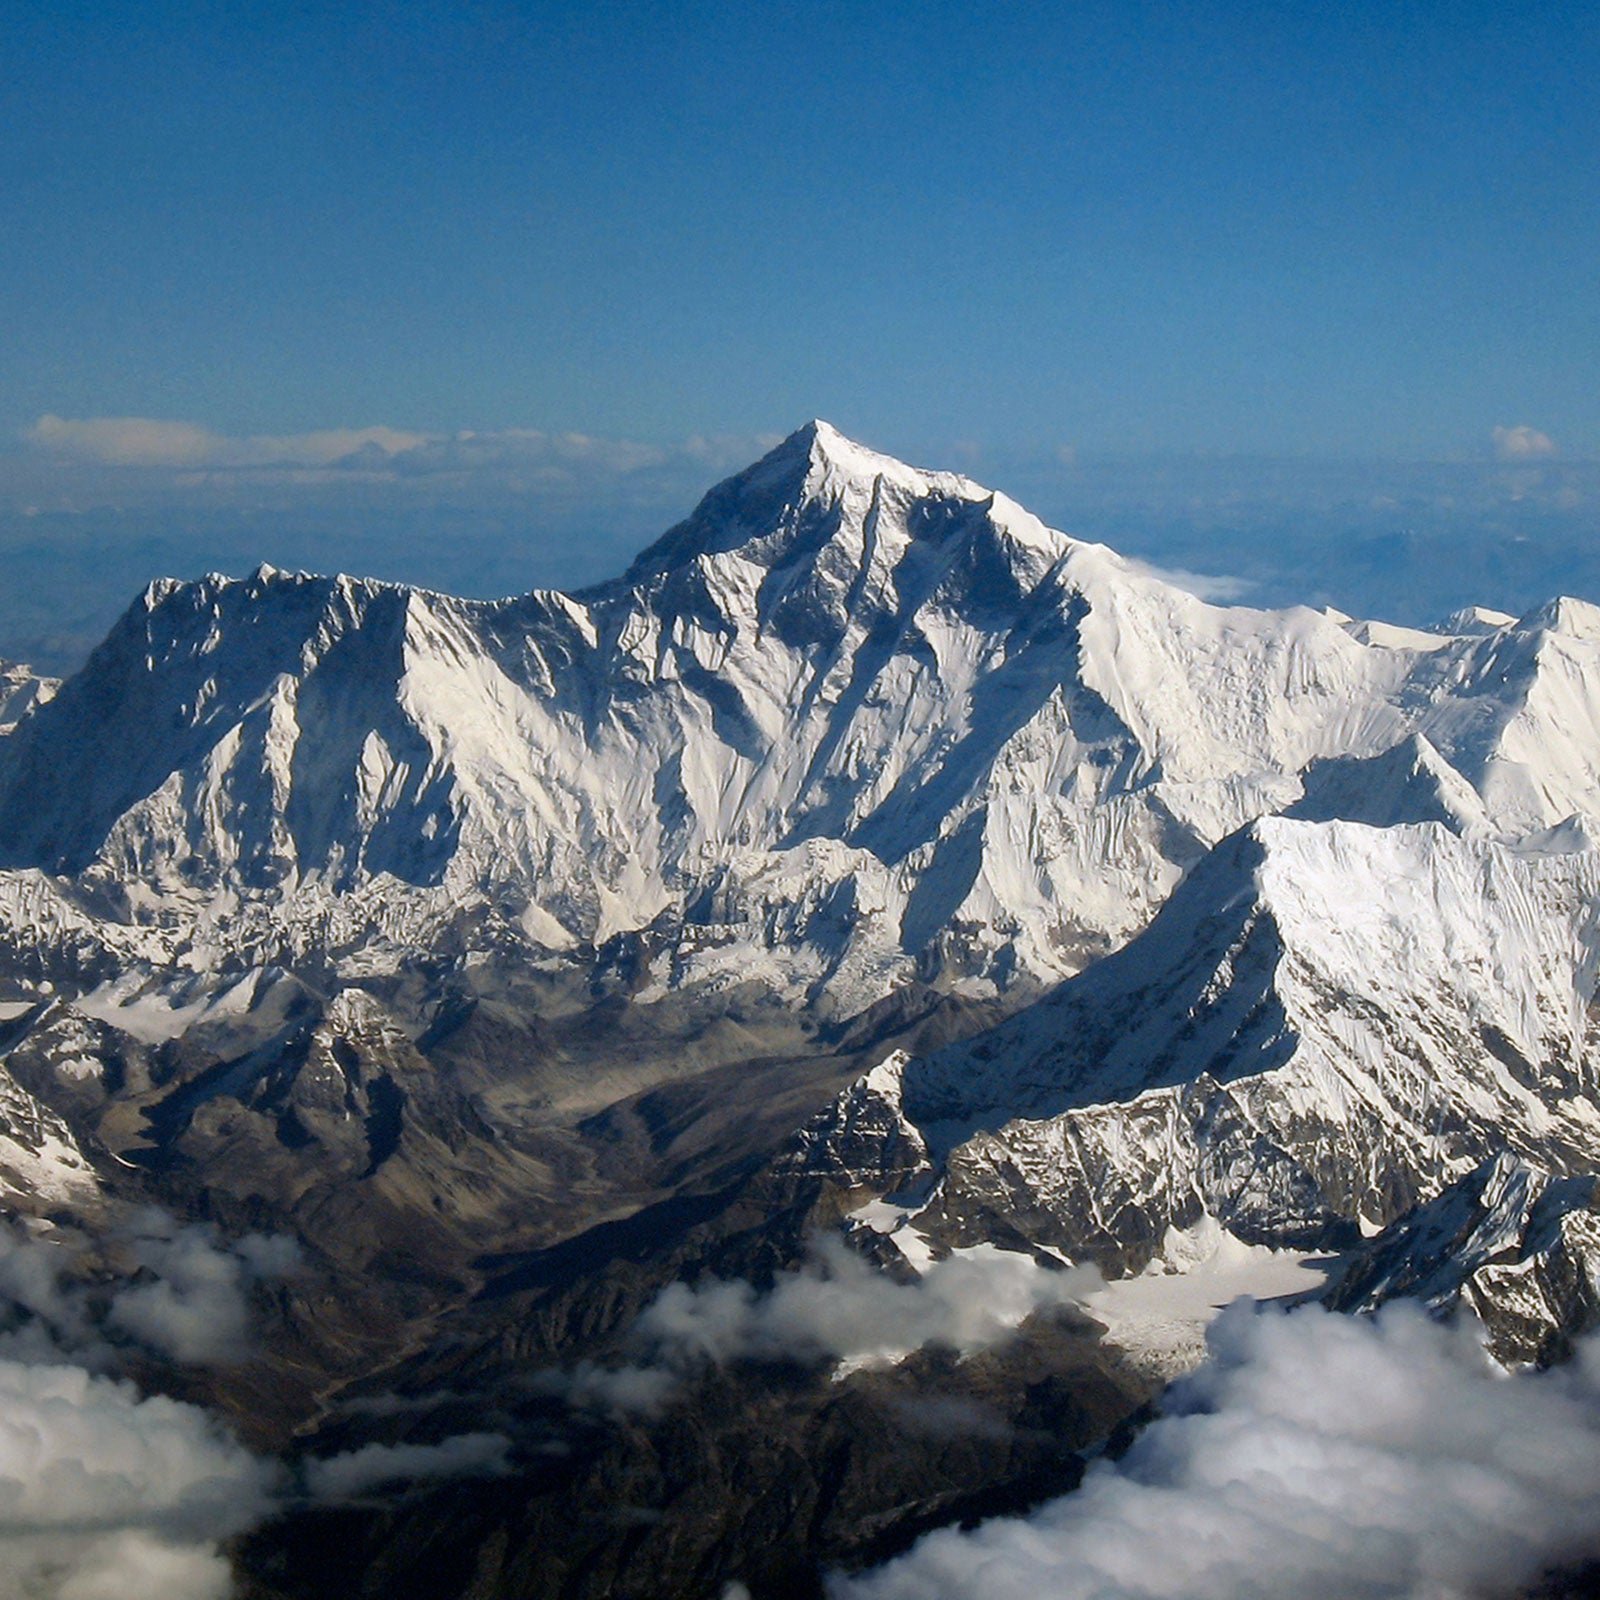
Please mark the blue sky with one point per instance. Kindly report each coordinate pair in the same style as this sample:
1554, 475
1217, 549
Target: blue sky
997, 237
1306, 227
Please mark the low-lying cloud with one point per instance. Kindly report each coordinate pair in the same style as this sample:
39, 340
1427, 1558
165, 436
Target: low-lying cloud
154, 442
836, 1308
1314, 1455
194, 1306
177, 1289
1216, 588
356, 1472
1522, 443
103, 1493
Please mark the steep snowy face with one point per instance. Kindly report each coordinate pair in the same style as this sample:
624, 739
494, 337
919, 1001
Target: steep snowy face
179, 758
1515, 708
1326, 1025
848, 724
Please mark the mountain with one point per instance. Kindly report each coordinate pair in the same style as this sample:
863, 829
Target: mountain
868, 863
1327, 1025
1513, 1244
847, 726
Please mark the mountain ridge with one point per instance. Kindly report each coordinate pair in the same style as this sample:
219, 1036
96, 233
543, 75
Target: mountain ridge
872, 696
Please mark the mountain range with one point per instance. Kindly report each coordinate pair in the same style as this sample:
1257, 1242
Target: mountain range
868, 866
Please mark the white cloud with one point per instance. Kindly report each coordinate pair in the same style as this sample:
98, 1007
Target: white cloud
152, 442
196, 1308
105, 1494
594, 1387
466, 1455
1314, 1455
838, 1307
196, 451
1522, 443
1214, 587
174, 1288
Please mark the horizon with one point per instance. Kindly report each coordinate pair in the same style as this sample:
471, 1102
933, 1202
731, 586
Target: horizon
87, 524
486, 297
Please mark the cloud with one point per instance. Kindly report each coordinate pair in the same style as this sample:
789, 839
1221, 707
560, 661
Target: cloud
1214, 587
125, 441
174, 1288
837, 1308
152, 442
194, 1306
190, 448
105, 1494
1522, 443
593, 1387
1314, 1455
466, 1455
840, 1306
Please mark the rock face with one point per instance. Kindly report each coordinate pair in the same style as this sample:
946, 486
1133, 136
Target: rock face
1513, 1245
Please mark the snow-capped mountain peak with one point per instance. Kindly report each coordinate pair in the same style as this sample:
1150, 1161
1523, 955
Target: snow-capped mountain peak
850, 721
818, 499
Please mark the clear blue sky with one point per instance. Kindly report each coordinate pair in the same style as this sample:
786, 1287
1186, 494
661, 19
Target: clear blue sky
1328, 228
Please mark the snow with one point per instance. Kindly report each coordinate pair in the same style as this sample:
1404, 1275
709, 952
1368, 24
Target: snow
152, 1016
851, 723
1160, 1316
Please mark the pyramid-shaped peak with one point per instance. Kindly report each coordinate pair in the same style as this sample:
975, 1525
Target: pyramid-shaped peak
816, 473
1578, 619
825, 448
819, 459
1411, 782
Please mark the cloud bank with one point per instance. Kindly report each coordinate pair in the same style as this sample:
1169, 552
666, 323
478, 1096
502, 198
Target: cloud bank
190, 448
1315, 1455
837, 1308
152, 442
